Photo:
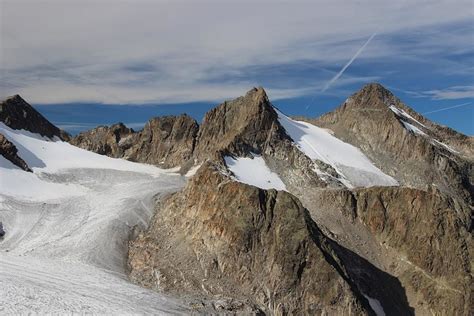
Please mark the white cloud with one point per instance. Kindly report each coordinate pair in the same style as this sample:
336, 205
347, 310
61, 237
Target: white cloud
180, 51
451, 93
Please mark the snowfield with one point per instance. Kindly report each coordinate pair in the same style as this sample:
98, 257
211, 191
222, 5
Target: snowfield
67, 226
254, 171
354, 168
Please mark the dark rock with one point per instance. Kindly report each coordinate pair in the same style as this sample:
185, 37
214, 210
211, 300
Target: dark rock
10, 152
18, 114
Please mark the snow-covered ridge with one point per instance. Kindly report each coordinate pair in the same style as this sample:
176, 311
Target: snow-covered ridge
46, 156
254, 171
354, 168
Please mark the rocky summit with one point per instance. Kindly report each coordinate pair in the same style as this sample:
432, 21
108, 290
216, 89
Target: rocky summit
164, 141
366, 210
16, 113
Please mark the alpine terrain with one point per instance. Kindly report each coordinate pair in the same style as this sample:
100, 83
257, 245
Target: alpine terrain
366, 210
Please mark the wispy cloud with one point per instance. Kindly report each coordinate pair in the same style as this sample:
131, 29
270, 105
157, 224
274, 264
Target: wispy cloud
448, 108
169, 52
450, 93
359, 51
456, 92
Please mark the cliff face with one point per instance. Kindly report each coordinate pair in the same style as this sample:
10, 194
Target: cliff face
164, 141
16, 113
239, 126
224, 238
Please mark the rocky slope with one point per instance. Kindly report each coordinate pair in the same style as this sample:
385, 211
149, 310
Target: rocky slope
10, 152
416, 236
164, 141
221, 238
16, 113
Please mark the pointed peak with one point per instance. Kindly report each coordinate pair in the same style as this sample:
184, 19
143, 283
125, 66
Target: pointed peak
377, 90
15, 99
257, 94
16, 113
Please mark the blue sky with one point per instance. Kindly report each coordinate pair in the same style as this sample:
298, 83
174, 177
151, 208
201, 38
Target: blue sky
85, 63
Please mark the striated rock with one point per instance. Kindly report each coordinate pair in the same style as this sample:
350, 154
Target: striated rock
10, 152
164, 141
219, 237
18, 114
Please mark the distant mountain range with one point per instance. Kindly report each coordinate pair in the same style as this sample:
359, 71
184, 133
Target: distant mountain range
365, 210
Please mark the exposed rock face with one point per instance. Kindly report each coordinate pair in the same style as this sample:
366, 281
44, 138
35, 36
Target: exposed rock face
417, 236
239, 126
18, 114
249, 124
10, 152
375, 121
164, 141
221, 237
110, 141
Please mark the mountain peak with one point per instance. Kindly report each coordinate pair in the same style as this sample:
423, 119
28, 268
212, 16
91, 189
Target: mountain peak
258, 93
16, 113
374, 93
237, 125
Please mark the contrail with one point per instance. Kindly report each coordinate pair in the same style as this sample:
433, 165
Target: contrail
348, 64
451, 107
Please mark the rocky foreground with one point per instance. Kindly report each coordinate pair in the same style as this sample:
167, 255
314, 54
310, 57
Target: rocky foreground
386, 231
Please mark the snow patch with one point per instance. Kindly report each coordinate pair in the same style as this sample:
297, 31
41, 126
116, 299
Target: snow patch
375, 305
401, 112
445, 146
192, 171
413, 128
349, 162
254, 171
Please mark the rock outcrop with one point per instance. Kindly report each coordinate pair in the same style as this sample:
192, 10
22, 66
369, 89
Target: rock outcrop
110, 141
164, 141
222, 238
10, 152
16, 113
